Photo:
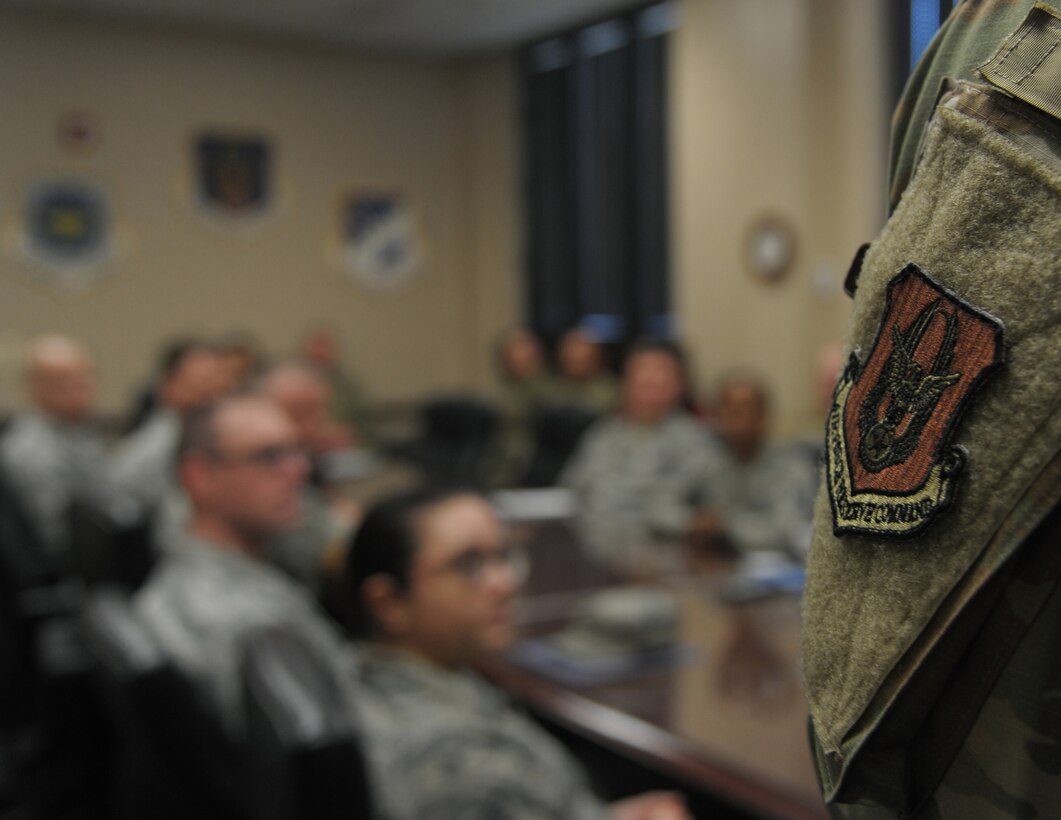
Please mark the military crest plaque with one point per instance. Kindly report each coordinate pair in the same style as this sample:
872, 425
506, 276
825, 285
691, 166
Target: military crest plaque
67, 231
380, 243
233, 177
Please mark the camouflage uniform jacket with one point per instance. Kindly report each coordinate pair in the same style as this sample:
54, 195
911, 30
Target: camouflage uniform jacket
517, 402
639, 480
599, 393
932, 611
144, 463
762, 503
49, 464
301, 551
202, 601
445, 745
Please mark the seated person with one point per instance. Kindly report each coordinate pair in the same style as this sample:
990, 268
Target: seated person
349, 400
635, 472
524, 385
52, 454
753, 496
242, 468
433, 581
581, 378
322, 529
241, 357
144, 461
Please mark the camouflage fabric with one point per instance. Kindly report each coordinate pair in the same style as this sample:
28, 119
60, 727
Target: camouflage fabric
351, 404
930, 662
49, 464
204, 599
762, 503
301, 551
964, 43
144, 462
444, 745
599, 393
638, 480
517, 401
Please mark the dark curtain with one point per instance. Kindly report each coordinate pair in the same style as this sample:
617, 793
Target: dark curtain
596, 179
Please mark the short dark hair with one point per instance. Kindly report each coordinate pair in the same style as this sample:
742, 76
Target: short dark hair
676, 353
198, 432
385, 544
175, 352
742, 377
199, 428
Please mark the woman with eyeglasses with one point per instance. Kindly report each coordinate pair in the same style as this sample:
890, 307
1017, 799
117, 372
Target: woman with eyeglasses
433, 581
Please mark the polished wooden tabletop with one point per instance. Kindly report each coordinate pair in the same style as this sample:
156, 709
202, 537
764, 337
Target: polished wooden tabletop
729, 718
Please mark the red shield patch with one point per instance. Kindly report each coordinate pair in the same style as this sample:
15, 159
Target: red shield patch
889, 465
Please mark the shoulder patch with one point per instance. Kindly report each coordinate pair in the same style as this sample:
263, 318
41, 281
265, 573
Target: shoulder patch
889, 463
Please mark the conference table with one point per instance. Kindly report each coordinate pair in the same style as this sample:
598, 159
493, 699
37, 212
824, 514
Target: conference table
724, 719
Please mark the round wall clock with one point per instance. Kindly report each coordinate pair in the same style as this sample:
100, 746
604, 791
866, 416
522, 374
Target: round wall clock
770, 248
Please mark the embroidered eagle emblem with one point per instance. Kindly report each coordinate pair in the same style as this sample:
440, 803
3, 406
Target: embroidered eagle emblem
889, 462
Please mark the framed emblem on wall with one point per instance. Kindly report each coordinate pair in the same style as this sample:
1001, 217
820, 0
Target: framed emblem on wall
233, 178
67, 232
67, 221
380, 244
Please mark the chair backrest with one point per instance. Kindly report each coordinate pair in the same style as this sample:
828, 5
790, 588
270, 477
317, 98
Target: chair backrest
457, 440
111, 545
172, 757
25, 563
305, 759
557, 432
30, 593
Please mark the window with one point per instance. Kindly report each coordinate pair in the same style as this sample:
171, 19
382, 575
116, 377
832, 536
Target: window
596, 178
914, 23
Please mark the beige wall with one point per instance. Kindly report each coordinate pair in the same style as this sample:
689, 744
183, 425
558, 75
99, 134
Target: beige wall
776, 107
442, 133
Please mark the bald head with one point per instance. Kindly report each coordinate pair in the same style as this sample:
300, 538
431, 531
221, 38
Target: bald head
60, 378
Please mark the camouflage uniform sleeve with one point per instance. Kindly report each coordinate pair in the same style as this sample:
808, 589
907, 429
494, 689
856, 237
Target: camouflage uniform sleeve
577, 475
673, 495
33, 462
482, 775
143, 464
931, 623
965, 41
777, 520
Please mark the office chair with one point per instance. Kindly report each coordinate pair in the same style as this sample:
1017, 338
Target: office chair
170, 757
111, 544
456, 443
558, 428
305, 759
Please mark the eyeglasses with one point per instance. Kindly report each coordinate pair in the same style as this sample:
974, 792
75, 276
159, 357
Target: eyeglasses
472, 564
268, 457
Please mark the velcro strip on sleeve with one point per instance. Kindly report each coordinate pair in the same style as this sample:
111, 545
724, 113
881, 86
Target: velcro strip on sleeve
1028, 64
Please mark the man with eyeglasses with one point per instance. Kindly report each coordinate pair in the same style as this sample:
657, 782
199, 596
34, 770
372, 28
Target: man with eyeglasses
242, 467
433, 581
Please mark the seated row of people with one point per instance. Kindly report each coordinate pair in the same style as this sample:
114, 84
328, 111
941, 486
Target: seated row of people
431, 582
648, 469
580, 379
428, 573
651, 470
53, 453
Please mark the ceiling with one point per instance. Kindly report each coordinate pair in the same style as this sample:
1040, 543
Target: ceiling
435, 28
